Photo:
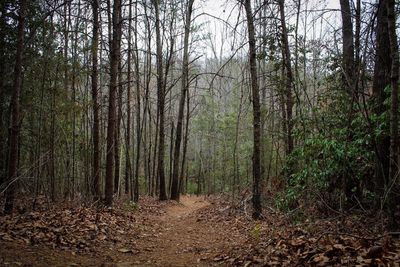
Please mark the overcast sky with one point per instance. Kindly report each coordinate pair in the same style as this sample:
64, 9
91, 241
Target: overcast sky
228, 11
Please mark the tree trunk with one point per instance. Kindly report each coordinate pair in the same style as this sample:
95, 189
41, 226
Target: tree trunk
138, 120
394, 110
15, 114
128, 165
348, 46
52, 139
67, 12
257, 209
184, 88
160, 105
117, 130
115, 57
96, 129
74, 89
3, 122
381, 79
185, 145
288, 81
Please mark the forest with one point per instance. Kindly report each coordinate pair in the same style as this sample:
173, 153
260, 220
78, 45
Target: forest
199, 133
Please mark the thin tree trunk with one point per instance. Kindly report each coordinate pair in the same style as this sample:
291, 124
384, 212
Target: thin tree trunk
115, 57
288, 81
257, 209
117, 130
96, 129
394, 110
160, 105
185, 144
155, 176
15, 115
348, 46
73, 85
357, 47
128, 165
52, 139
381, 79
3, 122
138, 109
184, 88
67, 12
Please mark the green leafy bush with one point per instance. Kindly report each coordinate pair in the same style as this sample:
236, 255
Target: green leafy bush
335, 160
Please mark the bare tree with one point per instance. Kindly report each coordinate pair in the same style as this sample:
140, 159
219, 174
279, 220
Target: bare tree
394, 109
96, 128
289, 81
114, 60
184, 88
348, 45
160, 104
15, 114
257, 209
381, 79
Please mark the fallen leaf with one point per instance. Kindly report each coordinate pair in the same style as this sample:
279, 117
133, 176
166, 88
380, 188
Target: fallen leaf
125, 250
375, 252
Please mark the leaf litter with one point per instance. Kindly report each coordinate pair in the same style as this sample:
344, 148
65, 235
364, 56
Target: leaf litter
213, 234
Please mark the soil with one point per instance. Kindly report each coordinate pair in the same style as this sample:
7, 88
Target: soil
176, 236
197, 231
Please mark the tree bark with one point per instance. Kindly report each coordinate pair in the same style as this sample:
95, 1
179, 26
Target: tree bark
257, 208
115, 57
185, 145
381, 79
288, 81
184, 88
96, 126
160, 105
138, 109
128, 165
3, 122
15, 114
117, 130
394, 110
348, 46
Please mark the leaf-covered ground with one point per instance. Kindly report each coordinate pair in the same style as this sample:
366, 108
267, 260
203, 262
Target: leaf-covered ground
197, 231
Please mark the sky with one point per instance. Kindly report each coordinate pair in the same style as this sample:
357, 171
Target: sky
227, 10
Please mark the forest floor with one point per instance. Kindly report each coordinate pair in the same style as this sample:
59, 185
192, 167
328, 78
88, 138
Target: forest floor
197, 231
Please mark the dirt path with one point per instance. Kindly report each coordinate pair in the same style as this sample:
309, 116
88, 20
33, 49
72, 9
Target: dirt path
194, 232
173, 234
180, 237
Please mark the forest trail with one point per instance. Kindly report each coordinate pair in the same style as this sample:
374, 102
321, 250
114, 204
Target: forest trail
180, 237
187, 204
161, 234
197, 231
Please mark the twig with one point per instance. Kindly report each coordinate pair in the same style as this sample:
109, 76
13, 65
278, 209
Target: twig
329, 207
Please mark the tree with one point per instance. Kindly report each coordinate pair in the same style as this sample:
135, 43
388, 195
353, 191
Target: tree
257, 209
15, 114
114, 61
128, 166
394, 110
3, 124
289, 81
96, 126
348, 45
160, 104
184, 88
138, 120
381, 79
